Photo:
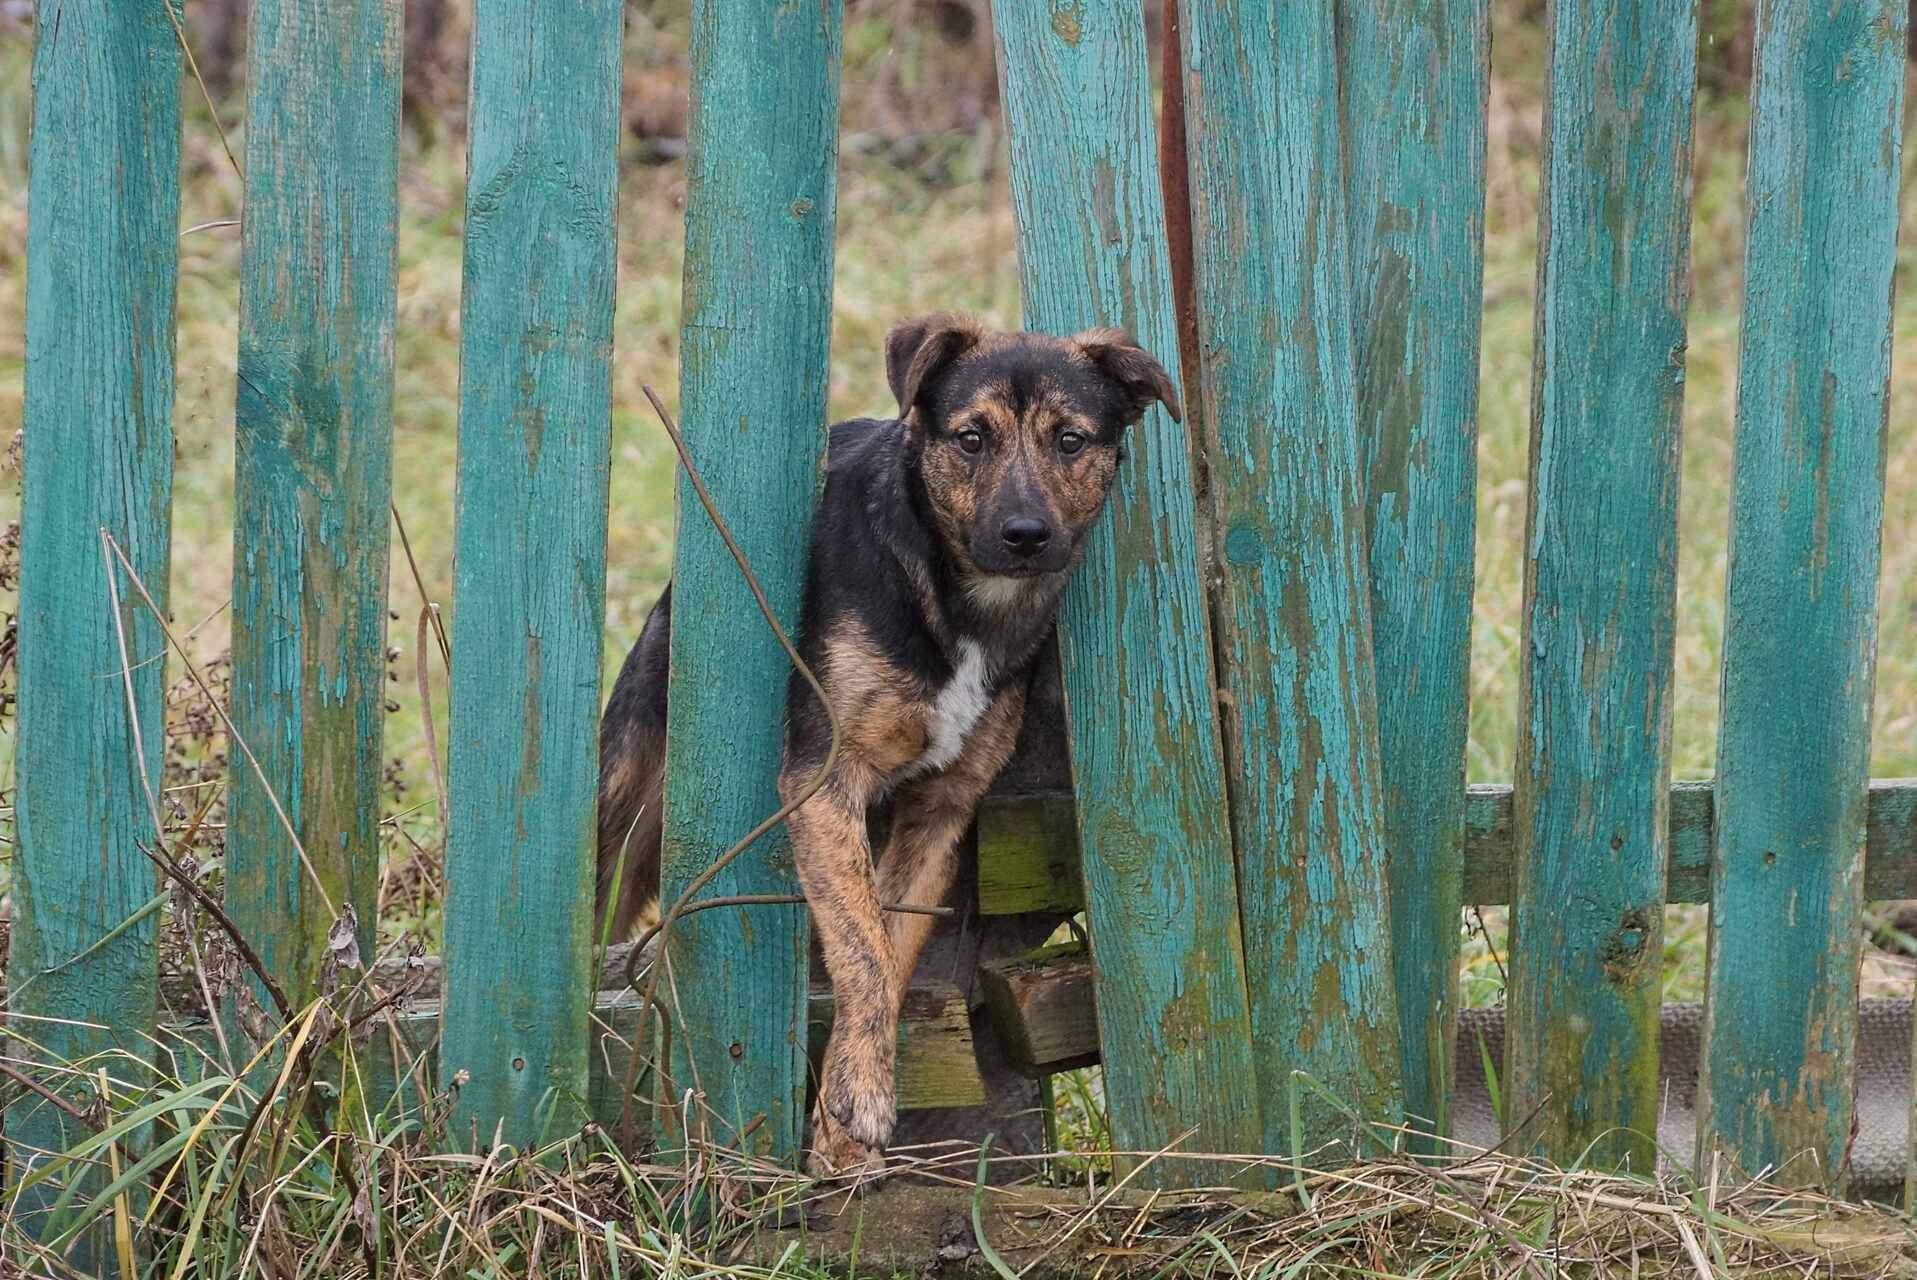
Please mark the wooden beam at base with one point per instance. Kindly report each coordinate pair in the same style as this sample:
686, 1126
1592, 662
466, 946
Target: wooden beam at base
1028, 855
937, 1065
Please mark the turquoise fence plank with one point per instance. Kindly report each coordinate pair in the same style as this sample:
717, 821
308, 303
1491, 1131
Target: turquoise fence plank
1415, 83
1301, 737
1800, 636
102, 236
1593, 763
761, 206
529, 585
313, 455
1133, 636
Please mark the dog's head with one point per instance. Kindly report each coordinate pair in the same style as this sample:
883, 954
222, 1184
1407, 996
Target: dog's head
1017, 435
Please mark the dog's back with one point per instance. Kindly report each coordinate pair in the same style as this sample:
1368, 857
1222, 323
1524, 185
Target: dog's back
632, 735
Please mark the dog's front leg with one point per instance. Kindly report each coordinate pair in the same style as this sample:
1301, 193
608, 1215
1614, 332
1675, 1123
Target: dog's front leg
930, 816
853, 1119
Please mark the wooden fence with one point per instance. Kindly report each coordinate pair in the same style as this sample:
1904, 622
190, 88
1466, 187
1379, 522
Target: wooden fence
1264, 660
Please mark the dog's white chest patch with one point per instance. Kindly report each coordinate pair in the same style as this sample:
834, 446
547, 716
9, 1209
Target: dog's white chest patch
955, 711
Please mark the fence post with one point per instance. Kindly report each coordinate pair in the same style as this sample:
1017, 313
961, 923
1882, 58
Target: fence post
529, 582
1415, 82
1134, 638
1594, 718
1293, 595
761, 200
102, 258
1793, 757
313, 457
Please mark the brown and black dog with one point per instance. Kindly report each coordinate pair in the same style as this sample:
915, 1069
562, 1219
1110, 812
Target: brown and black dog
940, 549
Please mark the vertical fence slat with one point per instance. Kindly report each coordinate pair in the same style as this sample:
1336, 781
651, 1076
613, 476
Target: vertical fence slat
1600, 580
1415, 85
1793, 762
102, 260
1274, 321
1133, 636
529, 584
761, 205
313, 457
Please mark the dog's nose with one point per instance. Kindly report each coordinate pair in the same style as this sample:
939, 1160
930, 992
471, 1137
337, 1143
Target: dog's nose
1025, 536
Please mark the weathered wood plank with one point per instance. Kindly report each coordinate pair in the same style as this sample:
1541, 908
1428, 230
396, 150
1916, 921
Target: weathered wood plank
1044, 1007
1040, 872
529, 581
1133, 636
1292, 581
761, 199
1600, 578
1415, 81
1028, 855
313, 436
101, 270
1800, 631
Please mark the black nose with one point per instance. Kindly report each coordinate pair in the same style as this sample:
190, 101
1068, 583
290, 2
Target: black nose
1025, 536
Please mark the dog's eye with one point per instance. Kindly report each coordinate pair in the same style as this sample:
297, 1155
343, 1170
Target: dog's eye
1070, 443
971, 441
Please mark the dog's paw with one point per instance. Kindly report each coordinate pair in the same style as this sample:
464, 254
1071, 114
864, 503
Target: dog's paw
836, 1153
865, 1112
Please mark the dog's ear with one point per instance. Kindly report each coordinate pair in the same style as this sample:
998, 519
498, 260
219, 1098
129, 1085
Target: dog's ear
1132, 368
916, 350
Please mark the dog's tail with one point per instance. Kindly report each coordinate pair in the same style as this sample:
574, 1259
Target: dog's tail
632, 761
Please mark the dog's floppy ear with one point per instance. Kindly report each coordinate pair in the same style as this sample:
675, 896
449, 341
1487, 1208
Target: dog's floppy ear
916, 350
1137, 374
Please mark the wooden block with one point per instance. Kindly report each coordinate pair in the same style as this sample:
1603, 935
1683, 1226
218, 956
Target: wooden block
937, 1064
1043, 1007
1048, 855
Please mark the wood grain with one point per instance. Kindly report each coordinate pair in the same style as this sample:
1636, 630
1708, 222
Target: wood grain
1800, 632
1415, 81
529, 579
754, 360
1271, 245
1134, 642
313, 439
1593, 761
101, 270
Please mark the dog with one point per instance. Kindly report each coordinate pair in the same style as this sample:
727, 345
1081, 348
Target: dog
940, 549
